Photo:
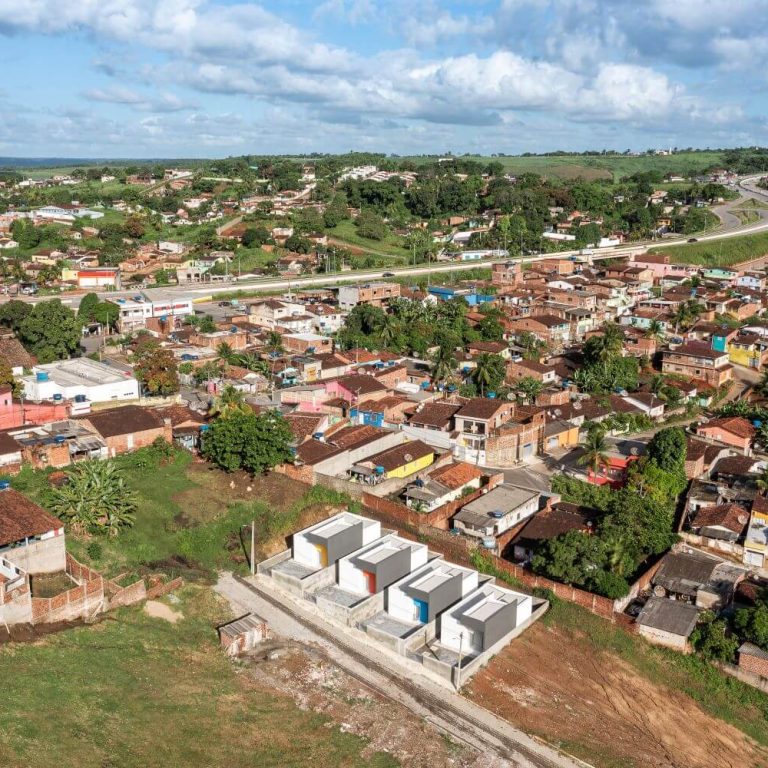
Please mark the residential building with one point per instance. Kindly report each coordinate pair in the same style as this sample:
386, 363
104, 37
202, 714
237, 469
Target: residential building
699, 361
81, 380
497, 511
735, 431
130, 427
756, 538
375, 294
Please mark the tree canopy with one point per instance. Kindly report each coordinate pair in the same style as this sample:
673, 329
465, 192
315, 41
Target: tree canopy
50, 331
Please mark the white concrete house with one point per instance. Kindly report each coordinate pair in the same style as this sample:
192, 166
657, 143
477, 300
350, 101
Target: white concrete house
373, 568
483, 618
422, 596
322, 545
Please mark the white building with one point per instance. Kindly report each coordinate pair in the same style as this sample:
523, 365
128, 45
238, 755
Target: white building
384, 562
67, 212
135, 312
324, 544
483, 619
80, 378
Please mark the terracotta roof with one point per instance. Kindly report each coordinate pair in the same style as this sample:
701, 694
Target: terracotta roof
354, 435
696, 349
760, 505
487, 346
302, 425
736, 425
181, 414
126, 420
435, 414
481, 408
8, 444
561, 518
14, 353
550, 321
360, 384
313, 451
534, 365
21, 518
734, 465
731, 516
455, 475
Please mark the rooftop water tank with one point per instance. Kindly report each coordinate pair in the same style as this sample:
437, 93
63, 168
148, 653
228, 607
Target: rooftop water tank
58, 397
42, 375
80, 398
489, 542
4, 485
380, 470
203, 427
59, 439
491, 395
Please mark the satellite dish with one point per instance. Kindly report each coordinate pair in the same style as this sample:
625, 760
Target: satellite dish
558, 413
743, 519
408, 457
511, 396
659, 591
577, 406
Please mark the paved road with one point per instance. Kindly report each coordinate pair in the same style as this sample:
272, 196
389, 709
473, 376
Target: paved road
209, 291
384, 672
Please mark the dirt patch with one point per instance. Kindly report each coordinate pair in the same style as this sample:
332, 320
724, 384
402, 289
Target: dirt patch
50, 584
553, 684
176, 565
317, 685
214, 489
29, 633
161, 611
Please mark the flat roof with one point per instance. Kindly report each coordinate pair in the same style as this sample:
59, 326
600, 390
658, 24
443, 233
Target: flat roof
80, 371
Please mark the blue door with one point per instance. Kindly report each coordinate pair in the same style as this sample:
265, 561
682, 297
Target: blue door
421, 611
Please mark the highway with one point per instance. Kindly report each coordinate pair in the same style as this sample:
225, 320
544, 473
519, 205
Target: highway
730, 227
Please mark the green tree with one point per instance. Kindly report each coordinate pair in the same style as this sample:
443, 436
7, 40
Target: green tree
95, 499
668, 448
87, 307
371, 226
712, 640
443, 364
529, 388
752, 625
156, 369
229, 400
489, 372
50, 331
336, 212
7, 379
246, 440
595, 450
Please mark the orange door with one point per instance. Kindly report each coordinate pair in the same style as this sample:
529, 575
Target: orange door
371, 580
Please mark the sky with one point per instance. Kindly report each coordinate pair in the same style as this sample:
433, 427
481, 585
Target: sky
213, 78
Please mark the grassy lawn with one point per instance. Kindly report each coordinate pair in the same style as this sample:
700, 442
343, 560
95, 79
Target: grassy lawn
190, 517
135, 691
393, 245
246, 260
719, 253
600, 167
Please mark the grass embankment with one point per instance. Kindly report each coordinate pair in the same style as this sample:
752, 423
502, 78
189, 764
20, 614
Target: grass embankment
135, 691
719, 253
190, 517
391, 246
613, 167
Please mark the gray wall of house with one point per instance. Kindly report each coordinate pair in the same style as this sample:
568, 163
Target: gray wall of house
47, 556
389, 570
440, 598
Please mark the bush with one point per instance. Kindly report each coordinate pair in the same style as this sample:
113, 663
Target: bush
94, 551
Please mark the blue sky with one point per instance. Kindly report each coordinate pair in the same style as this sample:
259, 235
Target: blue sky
204, 78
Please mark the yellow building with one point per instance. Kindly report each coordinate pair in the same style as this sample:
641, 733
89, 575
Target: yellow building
756, 540
401, 461
560, 434
749, 351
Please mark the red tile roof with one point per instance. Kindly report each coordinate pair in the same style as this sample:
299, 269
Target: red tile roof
456, 475
736, 425
731, 516
21, 518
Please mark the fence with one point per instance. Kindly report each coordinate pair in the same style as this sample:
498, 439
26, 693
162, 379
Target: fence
83, 601
139, 590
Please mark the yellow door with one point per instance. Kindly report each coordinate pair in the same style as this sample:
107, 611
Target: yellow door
323, 553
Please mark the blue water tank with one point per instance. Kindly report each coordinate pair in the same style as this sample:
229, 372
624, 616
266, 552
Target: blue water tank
4, 485
425, 385
80, 398
203, 427
380, 470
491, 395
58, 397
42, 375
59, 439
318, 435
757, 423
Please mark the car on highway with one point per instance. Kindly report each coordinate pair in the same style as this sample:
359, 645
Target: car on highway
224, 304
692, 240
387, 274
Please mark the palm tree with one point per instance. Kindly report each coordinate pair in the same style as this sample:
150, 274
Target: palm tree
229, 400
613, 341
762, 481
95, 499
655, 331
443, 364
389, 330
485, 371
225, 353
529, 388
762, 387
595, 451
274, 342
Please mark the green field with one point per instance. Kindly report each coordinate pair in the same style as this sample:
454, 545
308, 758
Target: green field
612, 167
719, 253
393, 245
189, 519
135, 691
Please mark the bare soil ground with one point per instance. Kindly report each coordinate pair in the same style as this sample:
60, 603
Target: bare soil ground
160, 610
317, 685
50, 584
598, 707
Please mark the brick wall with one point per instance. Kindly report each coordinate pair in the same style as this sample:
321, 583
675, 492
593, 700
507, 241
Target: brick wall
753, 664
304, 474
122, 443
84, 600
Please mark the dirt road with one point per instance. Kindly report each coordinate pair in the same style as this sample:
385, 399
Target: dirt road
447, 711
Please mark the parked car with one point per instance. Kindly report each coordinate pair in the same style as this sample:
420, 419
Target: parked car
692, 240
387, 274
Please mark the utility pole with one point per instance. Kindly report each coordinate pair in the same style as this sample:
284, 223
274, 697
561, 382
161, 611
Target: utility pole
458, 669
253, 547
